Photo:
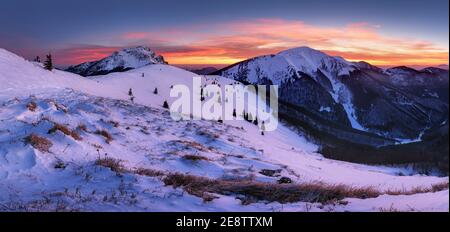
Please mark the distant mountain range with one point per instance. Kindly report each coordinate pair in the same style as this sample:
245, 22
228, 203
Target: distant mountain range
327, 97
91, 144
354, 108
204, 71
443, 66
396, 103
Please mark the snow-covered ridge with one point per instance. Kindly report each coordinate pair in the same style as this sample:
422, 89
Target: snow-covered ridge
126, 59
144, 136
308, 60
291, 63
313, 79
21, 77
279, 67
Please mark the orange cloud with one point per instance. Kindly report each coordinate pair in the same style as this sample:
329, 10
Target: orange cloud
80, 54
226, 43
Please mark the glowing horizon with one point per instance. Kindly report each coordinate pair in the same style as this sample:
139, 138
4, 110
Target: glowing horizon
228, 43
383, 33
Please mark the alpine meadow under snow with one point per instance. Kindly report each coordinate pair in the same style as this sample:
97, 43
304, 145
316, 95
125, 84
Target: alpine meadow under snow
73, 143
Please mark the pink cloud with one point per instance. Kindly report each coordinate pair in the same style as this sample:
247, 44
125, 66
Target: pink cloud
82, 53
224, 43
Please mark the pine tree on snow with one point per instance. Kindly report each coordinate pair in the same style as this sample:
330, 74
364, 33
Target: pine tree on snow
48, 64
130, 93
256, 121
202, 97
166, 105
263, 128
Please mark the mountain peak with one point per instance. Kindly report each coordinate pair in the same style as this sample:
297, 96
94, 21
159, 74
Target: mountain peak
303, 51
138, 49
309, 60
119, 61
443, 66
434, 70
403, 70
368, 66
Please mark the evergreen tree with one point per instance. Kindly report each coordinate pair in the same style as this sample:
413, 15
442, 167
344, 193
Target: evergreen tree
130, 93
263, 128
202, 98
166, 105
37, 59
48, 62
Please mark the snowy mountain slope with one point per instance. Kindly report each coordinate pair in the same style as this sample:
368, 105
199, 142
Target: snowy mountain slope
308, 60
144, 136
355, 94
123, 60
290, 65
14, 69
147, 138
302, 59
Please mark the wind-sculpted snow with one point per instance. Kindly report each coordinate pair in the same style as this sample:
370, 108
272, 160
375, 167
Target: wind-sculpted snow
145, 137
74, 144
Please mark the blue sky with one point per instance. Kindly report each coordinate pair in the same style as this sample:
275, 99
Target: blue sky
29, 27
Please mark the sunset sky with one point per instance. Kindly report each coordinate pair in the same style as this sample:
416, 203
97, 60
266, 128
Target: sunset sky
217, 33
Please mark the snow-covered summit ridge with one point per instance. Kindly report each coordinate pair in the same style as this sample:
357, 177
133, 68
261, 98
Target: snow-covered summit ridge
123, 60
309, 60
137, 57
288, 63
